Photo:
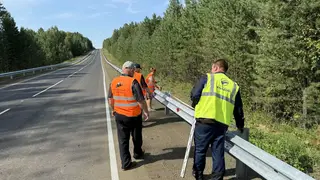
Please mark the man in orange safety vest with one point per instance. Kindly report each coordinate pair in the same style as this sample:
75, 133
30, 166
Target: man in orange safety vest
127, 102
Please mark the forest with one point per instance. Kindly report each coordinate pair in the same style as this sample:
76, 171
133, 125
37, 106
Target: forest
24, 48
273, 50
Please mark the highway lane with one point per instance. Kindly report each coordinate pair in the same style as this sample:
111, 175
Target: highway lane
22, 90
14, 95
59, 134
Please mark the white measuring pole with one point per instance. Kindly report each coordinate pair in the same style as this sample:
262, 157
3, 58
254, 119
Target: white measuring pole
186, 157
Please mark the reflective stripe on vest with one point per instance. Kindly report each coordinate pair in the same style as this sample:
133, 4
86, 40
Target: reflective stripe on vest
123, 98
126, 105
217, 99
212, 93
124, 101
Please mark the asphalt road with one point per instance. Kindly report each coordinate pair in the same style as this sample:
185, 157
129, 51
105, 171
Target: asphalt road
57, 127
60, 133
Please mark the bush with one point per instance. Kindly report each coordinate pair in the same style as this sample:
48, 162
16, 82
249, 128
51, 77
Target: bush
285, 147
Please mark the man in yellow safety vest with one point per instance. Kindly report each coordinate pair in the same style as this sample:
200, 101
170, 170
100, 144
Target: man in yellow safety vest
217, 100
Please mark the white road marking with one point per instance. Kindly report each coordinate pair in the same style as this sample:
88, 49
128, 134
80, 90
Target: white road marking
47, 88
112, 152
82, 67
29, 79
60, 81
4, 111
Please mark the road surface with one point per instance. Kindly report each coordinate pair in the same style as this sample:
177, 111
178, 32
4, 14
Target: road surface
56, 127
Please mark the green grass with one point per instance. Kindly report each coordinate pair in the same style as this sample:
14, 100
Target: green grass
74, 59
111, 58
296, 146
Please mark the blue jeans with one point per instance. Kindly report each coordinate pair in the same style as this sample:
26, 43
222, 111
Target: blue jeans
214, 135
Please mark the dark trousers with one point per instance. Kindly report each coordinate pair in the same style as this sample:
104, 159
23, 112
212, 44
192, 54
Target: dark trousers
125, 127
214, 135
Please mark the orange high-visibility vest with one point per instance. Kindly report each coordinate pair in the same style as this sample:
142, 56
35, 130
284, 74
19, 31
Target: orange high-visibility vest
124, 101
151, 84
138, 77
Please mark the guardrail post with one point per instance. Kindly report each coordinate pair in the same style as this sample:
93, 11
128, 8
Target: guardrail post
241, 168
166, 109
34, 72
11, 77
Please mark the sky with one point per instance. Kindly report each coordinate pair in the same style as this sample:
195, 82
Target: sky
95, 19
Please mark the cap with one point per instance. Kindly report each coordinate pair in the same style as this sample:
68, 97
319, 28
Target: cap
137, 66
128, 64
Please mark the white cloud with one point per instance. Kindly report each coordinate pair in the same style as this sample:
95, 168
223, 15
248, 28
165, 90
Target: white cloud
130, 10
123, 1
129, 3
93, 7
95, 15
19, 4
74, 16
65, 15
166, 3
110, 5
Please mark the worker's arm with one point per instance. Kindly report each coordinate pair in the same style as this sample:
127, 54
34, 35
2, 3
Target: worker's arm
197, 90
111, 100
155, 84
238, 112
138, 95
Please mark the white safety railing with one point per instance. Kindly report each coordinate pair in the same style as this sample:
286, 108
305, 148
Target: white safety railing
247, 154
33, 70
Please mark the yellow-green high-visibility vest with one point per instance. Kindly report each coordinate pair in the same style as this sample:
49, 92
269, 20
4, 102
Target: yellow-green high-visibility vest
217, 99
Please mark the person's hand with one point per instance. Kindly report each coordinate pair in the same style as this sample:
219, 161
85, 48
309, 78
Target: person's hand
146, 115
112, 113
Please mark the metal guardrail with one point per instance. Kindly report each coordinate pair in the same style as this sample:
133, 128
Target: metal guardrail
33, 70
263, 163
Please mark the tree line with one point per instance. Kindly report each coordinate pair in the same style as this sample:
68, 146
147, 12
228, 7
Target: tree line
24, 48
273, 47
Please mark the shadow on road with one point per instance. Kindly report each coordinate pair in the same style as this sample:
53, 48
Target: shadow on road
73, 126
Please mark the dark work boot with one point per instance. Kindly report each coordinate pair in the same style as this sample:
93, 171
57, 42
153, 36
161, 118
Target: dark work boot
217, 176
139, 156
194, 173
199, 175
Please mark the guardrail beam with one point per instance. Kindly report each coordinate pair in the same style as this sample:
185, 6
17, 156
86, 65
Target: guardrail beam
33, 70
241, 168
166, 109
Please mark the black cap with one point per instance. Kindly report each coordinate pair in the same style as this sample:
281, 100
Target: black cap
137, 66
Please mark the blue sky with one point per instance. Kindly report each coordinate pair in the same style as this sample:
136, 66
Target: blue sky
95, 19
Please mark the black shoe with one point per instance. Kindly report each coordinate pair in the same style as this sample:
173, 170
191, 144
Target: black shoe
131, 165
139, 156
199, 175
194, 173
217, 176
